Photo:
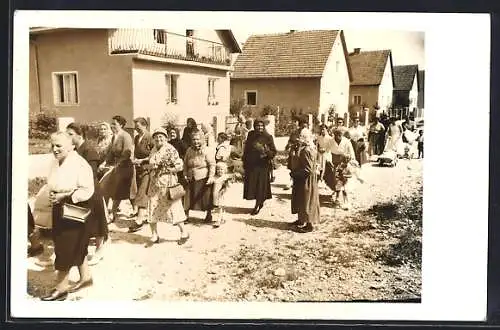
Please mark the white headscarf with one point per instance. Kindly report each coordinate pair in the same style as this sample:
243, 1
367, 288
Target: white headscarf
306, 137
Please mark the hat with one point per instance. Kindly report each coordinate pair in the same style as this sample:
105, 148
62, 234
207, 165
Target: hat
160, 130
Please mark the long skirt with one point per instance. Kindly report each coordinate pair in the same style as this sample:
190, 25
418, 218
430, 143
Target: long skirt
305, 199
97, 224
71, 239
199, 196
142, 180
257, 184
360, 152
161, 209
119, 184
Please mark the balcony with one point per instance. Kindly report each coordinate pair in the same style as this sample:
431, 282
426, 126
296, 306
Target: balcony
167, 45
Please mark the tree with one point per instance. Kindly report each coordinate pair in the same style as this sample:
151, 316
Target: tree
236, 107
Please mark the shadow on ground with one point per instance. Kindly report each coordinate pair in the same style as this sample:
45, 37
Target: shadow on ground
261, 223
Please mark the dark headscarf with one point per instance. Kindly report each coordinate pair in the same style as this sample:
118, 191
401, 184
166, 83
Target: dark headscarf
177, 143
190, 127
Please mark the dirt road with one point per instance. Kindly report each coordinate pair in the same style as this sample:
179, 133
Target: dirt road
359, 254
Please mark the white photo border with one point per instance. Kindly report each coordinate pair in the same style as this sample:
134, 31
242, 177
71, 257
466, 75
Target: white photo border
457, 49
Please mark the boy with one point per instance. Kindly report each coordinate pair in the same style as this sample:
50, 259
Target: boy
420, 144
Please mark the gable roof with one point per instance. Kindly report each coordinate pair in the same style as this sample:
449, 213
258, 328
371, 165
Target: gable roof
368, 67
404, 76
299, 54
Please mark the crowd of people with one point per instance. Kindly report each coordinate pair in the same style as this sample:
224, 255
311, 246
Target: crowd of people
165, 176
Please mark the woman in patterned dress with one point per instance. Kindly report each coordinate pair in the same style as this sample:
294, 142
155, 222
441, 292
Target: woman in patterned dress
164, 164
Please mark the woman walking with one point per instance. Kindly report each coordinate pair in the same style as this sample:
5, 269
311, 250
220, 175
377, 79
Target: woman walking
104, 141
358, 136
97, 224
305, 193
164, 164
257, 155
199, 171
324, 141
143, 143
71, 182
120, 185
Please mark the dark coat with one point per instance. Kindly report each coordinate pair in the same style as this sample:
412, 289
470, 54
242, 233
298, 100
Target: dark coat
305, 193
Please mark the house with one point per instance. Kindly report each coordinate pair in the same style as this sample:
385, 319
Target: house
420, 102
373, 81
302, 70
90, 75
406, 86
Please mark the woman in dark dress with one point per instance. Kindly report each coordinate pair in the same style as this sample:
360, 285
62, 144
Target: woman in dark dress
119, 185
97, 224
305, 192
143, 143
199, 172
259, 150
70, 181
191, 126
176, 142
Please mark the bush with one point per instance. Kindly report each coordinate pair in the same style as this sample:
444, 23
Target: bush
34, 186
42, 124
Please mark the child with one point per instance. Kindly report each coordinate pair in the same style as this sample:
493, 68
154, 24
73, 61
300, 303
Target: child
420, 144
222, 153
221, 183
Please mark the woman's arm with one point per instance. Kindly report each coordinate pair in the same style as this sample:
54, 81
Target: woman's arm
306, 165
127, 146
84, 184
210, 159
271, 152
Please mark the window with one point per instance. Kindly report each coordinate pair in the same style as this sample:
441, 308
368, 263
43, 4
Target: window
65, 86
251, 97
211, 92
357, 99
171, 83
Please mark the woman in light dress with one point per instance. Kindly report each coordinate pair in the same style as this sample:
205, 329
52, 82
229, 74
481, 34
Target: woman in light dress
324, 141
164, 164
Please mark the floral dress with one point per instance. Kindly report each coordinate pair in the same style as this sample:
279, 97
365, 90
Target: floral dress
164, 163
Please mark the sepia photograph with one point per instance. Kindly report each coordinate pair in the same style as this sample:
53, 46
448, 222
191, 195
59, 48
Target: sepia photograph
178, 163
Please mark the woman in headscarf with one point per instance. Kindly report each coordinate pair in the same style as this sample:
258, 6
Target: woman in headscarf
97, 224
104, 141
199, 173
120, 185
143, 143
257, 155
164, 164
191, 126
305, 194
71, 182
176, 142
208, 135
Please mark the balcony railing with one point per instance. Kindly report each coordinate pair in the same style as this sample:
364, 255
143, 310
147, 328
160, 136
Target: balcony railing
168, 45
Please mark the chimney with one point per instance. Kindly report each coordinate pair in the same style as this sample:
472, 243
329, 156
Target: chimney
292, 31
357, 50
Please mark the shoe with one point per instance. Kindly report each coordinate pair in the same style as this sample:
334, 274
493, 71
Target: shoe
151, 243
304, 229
94, 260
209, 218
33, 252
81, 285
183, 240
56, 296
346, 206
295, 223
135, 227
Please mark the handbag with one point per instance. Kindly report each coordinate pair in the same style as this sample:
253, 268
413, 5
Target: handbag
176, 192
75, 213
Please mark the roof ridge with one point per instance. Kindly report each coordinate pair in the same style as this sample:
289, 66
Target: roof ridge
290, 33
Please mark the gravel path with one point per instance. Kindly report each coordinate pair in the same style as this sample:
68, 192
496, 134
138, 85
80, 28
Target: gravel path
258, 257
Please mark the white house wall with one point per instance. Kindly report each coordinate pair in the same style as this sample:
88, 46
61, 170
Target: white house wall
334, 88
414, 94
386, 88
150, 92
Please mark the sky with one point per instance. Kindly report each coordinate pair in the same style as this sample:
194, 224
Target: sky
407, 46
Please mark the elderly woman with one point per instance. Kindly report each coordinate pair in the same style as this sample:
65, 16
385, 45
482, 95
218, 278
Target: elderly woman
143, 143
120, 185
257, 155
176, 142
191, 126
324, 141
97, 224
199, 172
342, 155
71, 183
164, 164
104, 140
305, 194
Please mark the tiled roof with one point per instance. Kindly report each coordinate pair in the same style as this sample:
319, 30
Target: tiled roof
368, 67
404, 76
285, 55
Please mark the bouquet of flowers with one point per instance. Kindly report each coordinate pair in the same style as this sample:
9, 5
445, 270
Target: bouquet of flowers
262, 149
